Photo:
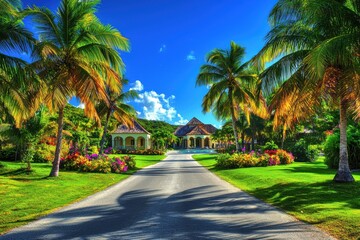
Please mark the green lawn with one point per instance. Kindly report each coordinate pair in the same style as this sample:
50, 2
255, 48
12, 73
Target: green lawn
27, 197
305, 190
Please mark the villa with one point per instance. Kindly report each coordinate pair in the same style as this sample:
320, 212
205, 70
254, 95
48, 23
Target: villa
136, 137
195, 134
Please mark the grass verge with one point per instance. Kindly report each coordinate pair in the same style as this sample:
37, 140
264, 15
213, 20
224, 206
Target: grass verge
304, 190
26, 197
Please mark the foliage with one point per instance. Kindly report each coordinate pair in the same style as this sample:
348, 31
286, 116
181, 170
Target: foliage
303, 152
331, 148
140, 152
162, 139
270, 146
252, 159
154, 125
233, 85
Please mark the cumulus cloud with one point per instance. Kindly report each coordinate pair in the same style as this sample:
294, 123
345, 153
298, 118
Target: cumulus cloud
181, 120
191, 56
162, 48
138, 86
157, 106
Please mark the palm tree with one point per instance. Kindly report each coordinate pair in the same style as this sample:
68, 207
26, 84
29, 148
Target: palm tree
77, 56
317, 44
17, 81
116, 105
231, 85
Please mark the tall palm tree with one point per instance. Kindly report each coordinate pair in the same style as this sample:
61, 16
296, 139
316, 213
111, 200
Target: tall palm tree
231, 85
77, 56
317, 43
17, 81
117, 107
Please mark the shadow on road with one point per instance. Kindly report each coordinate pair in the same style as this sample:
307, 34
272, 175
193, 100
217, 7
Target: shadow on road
198, 213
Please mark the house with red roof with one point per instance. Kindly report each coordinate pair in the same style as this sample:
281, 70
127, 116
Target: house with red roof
136, 137
195, 134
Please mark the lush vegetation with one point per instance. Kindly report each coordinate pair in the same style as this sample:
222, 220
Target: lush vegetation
36, 194
253, 159
302, 189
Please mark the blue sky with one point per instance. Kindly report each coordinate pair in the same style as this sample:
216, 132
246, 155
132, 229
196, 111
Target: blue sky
169, 41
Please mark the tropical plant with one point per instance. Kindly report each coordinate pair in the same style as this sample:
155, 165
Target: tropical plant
77, 56
18, 83
316, 45
232, 85
116, 105
162, 138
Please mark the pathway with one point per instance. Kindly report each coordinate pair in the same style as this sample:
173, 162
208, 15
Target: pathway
174, 199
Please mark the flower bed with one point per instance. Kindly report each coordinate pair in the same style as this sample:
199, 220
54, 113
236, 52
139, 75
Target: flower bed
74, 161
140, 152
252, 159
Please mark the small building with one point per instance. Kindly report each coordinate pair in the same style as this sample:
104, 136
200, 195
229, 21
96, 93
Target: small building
195, 134
131, 138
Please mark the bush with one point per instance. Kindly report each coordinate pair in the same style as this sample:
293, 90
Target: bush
8, 154
241, 160
331, 148
270, 146
223, 161
140, 152
74, 161
130, 161
284, 156
304, 153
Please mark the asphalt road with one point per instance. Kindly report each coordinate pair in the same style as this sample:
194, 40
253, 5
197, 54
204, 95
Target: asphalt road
174, 199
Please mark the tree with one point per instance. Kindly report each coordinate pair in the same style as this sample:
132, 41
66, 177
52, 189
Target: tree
231, 85
316, 45
77, 56
116, 105
17, 81
162, 138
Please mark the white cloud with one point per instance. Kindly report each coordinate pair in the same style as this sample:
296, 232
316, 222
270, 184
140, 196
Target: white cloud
81, 105
138, 86
162, 48
157, 106
191, 56
181, 120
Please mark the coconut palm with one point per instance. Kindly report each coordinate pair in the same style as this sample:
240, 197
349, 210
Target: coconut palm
317, 47
232, 85
77, 56
17, 81
116, 106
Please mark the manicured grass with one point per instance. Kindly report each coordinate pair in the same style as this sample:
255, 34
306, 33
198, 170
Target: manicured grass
26, 197
304, 190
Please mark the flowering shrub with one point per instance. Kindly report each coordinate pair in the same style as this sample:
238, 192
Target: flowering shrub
285, 157
140, 152
252, 159
74, 161
118, 166
108, 150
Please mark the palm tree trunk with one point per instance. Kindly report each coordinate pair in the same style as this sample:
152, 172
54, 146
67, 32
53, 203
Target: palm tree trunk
56, 163
237, 147
102, 142
343, 174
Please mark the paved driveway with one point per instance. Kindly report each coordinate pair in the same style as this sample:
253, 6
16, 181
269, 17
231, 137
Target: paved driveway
174, 199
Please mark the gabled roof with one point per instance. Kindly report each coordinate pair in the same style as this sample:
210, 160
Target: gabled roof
137, 128
194, 127
194, 121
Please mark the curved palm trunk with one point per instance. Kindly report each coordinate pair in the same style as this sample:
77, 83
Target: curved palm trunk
343, 174
233, 118
56, 163
102, 142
